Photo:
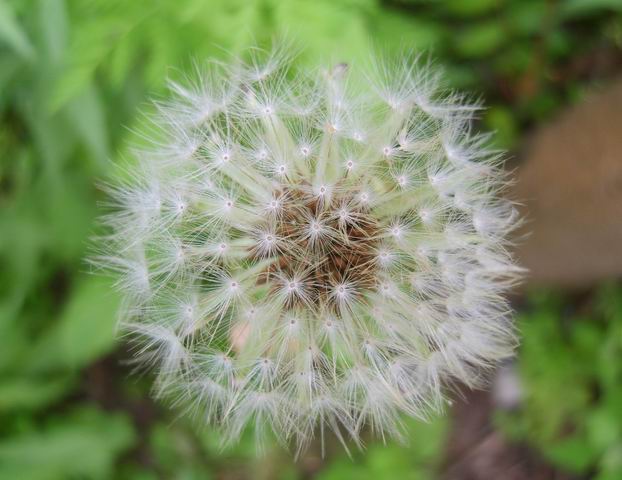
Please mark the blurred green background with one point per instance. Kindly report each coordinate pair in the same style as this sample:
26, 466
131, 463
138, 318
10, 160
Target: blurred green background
75, 76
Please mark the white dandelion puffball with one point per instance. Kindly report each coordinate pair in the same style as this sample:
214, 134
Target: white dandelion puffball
303, 251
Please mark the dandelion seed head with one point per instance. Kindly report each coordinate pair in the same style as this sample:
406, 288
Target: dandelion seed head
335, 258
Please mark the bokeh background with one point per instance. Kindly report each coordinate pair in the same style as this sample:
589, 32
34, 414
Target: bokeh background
75, 76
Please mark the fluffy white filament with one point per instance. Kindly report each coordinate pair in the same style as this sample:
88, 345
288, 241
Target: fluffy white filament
312, 251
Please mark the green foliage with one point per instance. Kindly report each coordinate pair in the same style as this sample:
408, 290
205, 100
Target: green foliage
82, 334
82, 444
12, 33
417, 461
74, 75
572, 374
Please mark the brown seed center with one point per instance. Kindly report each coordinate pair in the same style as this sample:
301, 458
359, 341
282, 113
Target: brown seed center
329, 246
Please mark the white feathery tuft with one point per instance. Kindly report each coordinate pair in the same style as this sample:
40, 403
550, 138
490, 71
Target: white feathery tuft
301, 254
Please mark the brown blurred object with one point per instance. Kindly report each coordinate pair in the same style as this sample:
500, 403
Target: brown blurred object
571, 186
476, 451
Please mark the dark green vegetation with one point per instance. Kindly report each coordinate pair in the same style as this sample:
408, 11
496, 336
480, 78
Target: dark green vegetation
570, 363
73, 77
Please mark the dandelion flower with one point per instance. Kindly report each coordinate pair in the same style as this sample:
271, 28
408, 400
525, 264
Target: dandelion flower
311, 251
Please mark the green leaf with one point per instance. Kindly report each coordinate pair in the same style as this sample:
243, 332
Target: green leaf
54, 25
31, 392
9, 66
89, 48
480, 40
86, 329
398, 31
526, 17
12, 34
84, 444
329, 29
52, 139
574, 453
603, 428
121, 61
86, 115
611, 463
